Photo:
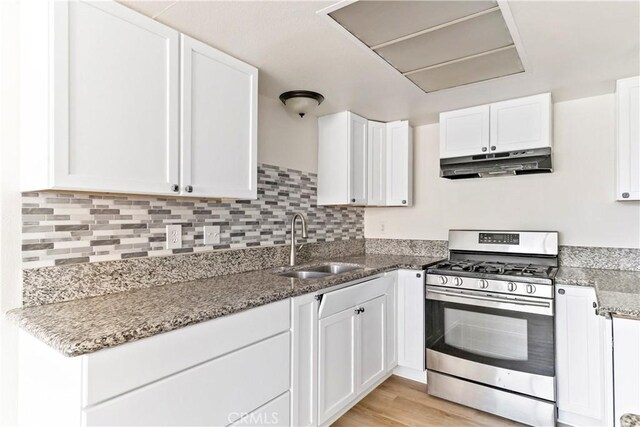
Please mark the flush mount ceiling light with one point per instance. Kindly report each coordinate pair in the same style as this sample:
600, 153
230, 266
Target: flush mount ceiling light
301, 101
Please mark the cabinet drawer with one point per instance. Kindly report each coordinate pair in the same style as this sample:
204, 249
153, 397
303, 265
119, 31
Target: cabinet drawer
214, 393
337, 301
274, 413
114, 371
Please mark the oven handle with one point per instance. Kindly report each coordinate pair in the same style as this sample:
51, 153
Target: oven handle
539, 307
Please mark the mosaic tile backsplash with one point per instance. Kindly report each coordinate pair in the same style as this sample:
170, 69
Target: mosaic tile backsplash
60, 228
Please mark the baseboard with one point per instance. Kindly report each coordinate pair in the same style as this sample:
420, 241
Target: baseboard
411, 374
355, 401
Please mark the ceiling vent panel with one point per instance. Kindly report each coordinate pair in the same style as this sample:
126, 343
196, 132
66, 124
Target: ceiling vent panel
501, 62
376, 22
469, 37
435, 44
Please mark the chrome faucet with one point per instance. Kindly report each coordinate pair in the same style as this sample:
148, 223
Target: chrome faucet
292, 255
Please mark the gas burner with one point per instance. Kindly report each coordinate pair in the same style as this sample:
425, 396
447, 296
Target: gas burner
454, 265
496, 268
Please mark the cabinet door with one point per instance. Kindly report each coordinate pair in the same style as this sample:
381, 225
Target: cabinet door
219, 123
628, 106
115, 100
358, 159
371, 346
399, 164
626, 357
464, 132
217, 392
520, 124
377, 163
304, 360
411, 346
580, 357
336, 363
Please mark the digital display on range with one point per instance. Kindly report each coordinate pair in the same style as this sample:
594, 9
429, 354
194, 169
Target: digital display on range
500, 238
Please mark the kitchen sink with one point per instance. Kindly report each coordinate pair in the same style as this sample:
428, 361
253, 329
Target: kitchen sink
334, 268
304, 274
319, 271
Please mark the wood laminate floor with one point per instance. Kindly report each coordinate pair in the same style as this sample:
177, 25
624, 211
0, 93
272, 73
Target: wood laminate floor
402, 402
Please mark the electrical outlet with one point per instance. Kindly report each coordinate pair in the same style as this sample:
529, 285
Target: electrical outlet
211, 234
174, 236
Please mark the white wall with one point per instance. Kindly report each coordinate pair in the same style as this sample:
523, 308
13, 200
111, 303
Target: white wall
285, 139
577, 199
10, 224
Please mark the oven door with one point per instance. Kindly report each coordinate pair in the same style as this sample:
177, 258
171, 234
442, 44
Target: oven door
500, 340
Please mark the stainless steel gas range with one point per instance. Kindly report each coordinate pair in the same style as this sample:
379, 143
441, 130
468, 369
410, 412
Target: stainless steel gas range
490, 323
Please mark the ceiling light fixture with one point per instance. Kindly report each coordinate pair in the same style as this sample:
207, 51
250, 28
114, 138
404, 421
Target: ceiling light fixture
301, 101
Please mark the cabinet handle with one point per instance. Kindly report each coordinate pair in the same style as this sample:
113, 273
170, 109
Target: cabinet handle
561, 291
353, 200
493, 148
175, 188
418, 275
404, 202
484, 149
188, 189
595, 305
625, 195
359, 310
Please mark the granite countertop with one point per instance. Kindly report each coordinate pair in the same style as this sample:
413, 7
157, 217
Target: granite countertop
618, 291
90, 324
630, 420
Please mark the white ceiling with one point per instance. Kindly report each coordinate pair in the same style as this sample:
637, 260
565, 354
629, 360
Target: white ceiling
573, 49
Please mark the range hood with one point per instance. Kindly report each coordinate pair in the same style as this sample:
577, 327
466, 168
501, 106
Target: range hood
519, 162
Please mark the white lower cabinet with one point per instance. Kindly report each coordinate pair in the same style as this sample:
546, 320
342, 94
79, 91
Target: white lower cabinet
337, 362
353, 344
215, 393
214, 373
304, 360
626, 356
583, 359
411, 345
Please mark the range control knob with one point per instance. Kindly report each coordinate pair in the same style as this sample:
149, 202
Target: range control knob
531, 289
512, 287
483, 284
457, 281
443, 279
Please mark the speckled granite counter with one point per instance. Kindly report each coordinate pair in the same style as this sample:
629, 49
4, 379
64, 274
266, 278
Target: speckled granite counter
630, 420
618, 291
87, 325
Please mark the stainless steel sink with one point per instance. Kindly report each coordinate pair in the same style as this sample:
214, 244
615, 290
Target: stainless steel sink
334, 268
318, 271
304, 274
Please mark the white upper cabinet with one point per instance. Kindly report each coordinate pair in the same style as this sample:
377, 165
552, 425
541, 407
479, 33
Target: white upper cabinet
464, 132
342, 159
106, 107
363, 162
358, 127
517, 124
521, 124
377, 163
399, 173
628, 112
219, 123
99, 103
583, 359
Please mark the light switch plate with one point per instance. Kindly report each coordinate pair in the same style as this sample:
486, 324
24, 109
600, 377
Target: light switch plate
174, 236
211, 234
